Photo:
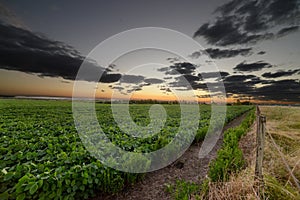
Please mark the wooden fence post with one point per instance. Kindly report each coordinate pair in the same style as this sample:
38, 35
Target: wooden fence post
260, 140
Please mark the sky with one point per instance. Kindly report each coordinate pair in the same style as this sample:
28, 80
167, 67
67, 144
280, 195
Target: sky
254, 44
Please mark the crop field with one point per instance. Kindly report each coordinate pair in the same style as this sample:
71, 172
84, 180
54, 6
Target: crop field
42, 156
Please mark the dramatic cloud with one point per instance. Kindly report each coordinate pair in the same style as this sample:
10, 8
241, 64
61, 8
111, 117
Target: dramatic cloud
133, 89
120, 88
188, 82
9, 17
234, 84
173, 60
106, 78
179, 68
132, 79
287, 30
228, 7
227, 53
280, 73
283, 90
238, 78
196, 54
242, 86
153, 81
166, 90
246, 85
261, 53
222, 53
250, 67
25, 51
250, 21
207, 75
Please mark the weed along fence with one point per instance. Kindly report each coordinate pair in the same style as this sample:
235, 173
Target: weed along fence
261, 132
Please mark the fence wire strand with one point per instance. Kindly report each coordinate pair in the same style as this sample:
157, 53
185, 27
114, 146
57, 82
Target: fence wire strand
284, 160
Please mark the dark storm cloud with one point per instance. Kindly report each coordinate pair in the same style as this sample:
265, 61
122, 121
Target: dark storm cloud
153, 81
226, 32
246, 85
283, 90
132, 79
163, 69
257, 80
108, 78
110, 68
183, 68
250, 67
227, 53
261, 53
173, 60
280, 73
166, 90
207, 75
223, 32
134, 89
247, 22
242, 86
237, 84
217, 53
196, 54
120, 88
179, 68
238, 78
134, 83
188, 77
188, 82
234, 84
25, 51
287, 30
240, 89
228, 7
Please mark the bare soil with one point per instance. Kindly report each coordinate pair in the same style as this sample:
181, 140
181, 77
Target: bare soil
188, 167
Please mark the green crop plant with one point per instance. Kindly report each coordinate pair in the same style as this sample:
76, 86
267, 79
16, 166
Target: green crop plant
42, 156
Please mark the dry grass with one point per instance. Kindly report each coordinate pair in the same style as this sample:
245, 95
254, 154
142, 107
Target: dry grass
239, 187
283, 123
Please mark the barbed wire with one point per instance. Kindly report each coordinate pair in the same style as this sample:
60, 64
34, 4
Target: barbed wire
284, 160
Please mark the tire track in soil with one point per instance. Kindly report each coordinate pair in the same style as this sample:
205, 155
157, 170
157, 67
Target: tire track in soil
188, 167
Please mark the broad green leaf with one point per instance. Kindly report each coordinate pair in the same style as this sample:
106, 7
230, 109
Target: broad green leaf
33, 188
21, 196
40, 182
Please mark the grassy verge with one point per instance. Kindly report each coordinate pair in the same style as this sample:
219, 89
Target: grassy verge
230, 157
183, 190
283, 124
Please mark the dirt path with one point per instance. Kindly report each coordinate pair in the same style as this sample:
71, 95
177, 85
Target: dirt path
188, 167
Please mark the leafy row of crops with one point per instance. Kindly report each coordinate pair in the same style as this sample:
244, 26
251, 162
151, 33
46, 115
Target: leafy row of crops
229, 160
230, 157
42, 156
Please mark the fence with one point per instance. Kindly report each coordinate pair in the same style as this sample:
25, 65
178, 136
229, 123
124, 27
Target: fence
260, 141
